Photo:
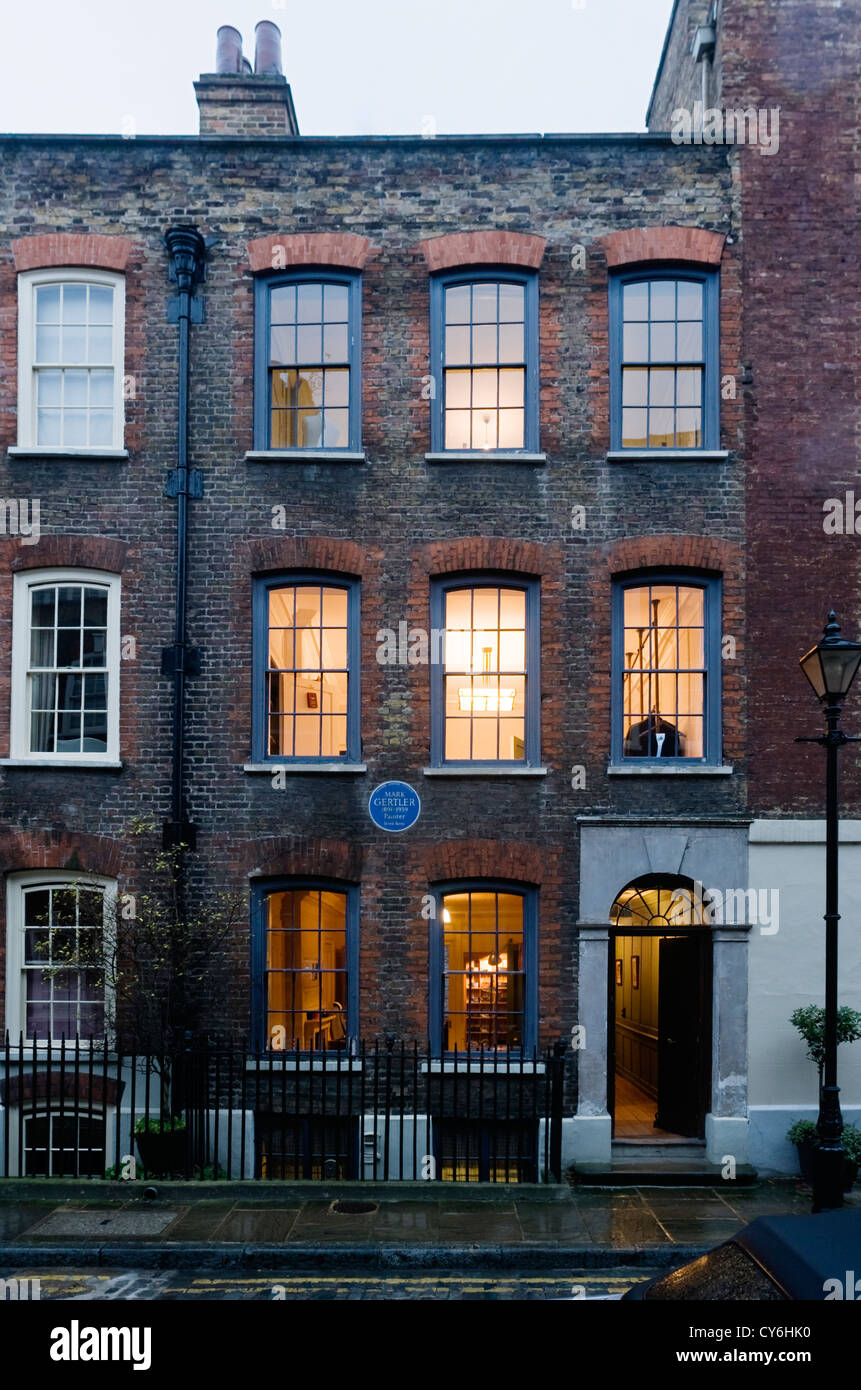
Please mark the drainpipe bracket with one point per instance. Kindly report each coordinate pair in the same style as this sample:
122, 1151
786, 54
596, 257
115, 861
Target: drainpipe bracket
196, 310
193, 486
170, 661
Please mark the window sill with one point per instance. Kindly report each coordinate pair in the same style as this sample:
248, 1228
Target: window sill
667, 455
487, 1066
485, 456
57, 765
59, 455
467, 771
305, 456
656, 769
291, 768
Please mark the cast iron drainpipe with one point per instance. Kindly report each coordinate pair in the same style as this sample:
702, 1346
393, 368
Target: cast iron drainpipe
186, 248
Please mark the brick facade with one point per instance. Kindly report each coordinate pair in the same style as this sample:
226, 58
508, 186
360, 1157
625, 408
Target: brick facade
397, 521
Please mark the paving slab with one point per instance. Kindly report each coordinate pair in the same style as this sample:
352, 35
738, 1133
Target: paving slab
256, 1226
98, 1224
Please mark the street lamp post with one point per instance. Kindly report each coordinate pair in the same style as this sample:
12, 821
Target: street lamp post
831, 667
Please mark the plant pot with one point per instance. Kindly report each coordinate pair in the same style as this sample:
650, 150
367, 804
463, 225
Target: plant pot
806, 1152
165, 1153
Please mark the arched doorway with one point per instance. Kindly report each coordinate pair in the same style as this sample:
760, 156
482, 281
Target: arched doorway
659, 1013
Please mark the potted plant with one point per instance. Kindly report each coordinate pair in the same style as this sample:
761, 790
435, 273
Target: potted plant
805, 1136
810, 1022
162, 1145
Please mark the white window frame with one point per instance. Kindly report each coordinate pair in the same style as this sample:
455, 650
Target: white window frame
28, 282
16, 1002
24, 582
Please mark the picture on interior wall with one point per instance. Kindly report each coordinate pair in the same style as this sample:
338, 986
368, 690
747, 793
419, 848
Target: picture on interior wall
618, 971
635, 972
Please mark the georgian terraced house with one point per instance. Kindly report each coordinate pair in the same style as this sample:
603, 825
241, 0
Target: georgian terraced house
492, 465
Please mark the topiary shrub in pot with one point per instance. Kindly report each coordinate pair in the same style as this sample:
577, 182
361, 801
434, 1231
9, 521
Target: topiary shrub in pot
805, 1136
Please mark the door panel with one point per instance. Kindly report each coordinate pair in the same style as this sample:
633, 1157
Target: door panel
682, 1032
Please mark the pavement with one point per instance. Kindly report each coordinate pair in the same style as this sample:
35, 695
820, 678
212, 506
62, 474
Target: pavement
376, 1228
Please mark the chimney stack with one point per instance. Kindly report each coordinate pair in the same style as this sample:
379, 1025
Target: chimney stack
233, 100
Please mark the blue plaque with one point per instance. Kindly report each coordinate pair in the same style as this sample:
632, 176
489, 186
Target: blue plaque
394, 806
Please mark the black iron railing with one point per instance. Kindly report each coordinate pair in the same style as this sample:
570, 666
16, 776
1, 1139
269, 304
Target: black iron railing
377, 1112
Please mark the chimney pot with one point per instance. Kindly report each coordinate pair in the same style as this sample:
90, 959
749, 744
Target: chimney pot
228, 50
267, 47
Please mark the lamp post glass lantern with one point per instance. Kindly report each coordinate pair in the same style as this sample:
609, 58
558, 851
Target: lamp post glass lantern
830, 667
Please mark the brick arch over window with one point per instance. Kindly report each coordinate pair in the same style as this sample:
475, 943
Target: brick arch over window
282, 250
68, 851
491, 859
498, 553
483, 248
68, 552
673, 552
71, 249
292, 856
308, 552
638, 244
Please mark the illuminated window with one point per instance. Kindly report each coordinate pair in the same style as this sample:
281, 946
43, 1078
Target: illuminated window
664, 337
65, 705
483, 970
485, 349
485, 707
308, 387
71, 329
667, 645
303, 970
66, 1145
306, 669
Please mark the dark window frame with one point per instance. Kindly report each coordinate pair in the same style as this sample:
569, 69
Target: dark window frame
263, 286
444, 280
710, 281
529, 894
712, 610
532, 727
260, 891
260, 641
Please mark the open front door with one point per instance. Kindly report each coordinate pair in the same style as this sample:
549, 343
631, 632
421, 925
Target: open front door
682, 1033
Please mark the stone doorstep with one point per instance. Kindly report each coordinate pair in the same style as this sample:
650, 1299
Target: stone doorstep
624, 1172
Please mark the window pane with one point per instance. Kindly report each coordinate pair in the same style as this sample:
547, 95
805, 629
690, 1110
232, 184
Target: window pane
101, 426
337, 384
457, 386
335, 607
634, 386
309, 427
511, 303
511, 429
690, 299
457, 429
100, 344
688, 387
511, 342
74, 343
635, 301
49, 388
336, 303
484, 302
457, 304
335, 344
663, 299
282, 304
484, 345
661, 433
484, 388
310, 388
48, 427
75, 427
48, 304
282, 345
47, 343
511, 387
635, 346
457, 345
309, 343
336, 429
662, 386
101, 304
663, 342
690, 342
309, 308
634, 428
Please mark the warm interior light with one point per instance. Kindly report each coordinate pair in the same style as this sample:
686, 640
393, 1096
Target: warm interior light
487, 965
485, 701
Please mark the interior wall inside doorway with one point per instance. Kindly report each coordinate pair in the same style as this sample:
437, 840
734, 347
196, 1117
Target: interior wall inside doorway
636, 999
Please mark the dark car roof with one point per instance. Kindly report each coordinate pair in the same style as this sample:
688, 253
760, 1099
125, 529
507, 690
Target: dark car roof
800, 1252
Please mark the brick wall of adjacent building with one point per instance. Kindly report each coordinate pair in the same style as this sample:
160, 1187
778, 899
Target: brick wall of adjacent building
395, 521
801, 289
